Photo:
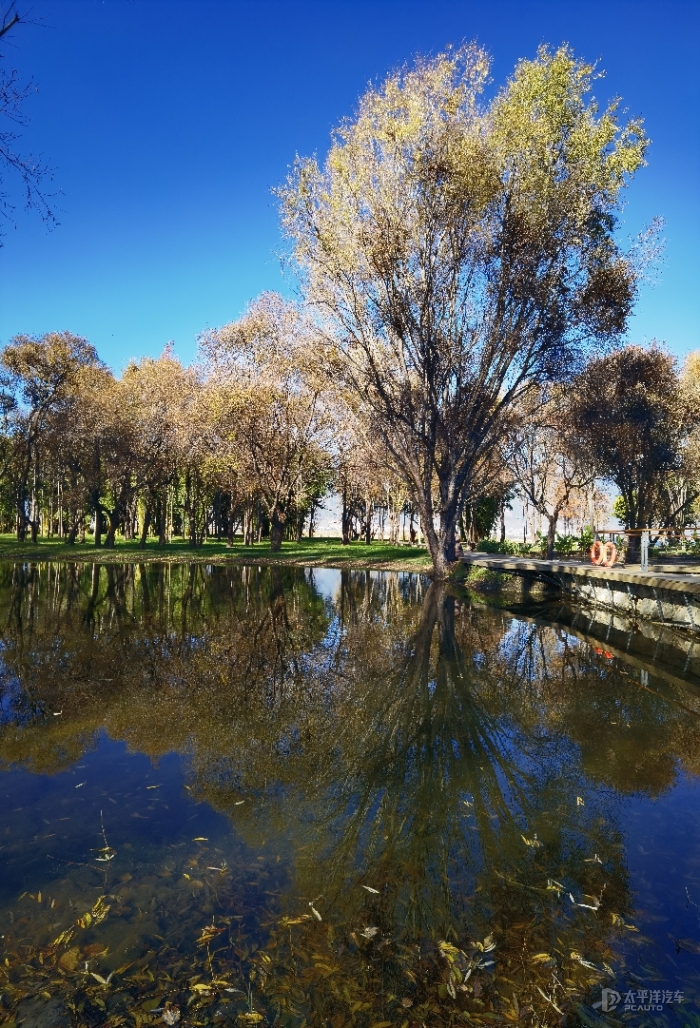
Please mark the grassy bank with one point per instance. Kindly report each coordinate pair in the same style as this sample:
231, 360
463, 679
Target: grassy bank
309, 553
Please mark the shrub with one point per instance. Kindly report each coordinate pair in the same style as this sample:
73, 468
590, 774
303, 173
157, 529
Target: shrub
494, 546
566, 544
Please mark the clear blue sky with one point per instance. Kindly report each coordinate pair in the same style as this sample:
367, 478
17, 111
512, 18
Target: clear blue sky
168, 121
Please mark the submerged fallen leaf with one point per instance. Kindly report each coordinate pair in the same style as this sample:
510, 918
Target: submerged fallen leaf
100, 979
370, 889
70, 959
97, 949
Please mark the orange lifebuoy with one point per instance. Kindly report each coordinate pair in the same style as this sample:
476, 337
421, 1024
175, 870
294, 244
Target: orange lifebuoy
597, 552
610, 551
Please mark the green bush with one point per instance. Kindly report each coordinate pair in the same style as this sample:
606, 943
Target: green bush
566, 544
585, 540
494, 546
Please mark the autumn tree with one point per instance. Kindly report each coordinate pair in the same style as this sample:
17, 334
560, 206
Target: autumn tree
37, 375
149, 393
458, 253
270, 358
548, 459
633, 416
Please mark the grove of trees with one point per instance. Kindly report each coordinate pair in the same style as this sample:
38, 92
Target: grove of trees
457, 340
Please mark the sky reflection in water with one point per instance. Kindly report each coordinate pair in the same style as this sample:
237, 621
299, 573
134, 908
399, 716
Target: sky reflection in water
324, 797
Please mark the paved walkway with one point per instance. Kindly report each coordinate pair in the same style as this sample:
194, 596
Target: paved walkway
658, 576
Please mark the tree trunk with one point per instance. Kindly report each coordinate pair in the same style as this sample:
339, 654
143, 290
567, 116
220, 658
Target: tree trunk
551, 533
146, 526
113, 518
441, 542
344, 520
634, 549
70, 539
247, 523
503, 521
60, 508
368, 522
277, 529
98, 526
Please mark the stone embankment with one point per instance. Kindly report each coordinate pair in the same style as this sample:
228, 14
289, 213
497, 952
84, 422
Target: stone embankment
659, 595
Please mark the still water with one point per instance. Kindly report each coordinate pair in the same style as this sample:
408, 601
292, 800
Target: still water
295, 797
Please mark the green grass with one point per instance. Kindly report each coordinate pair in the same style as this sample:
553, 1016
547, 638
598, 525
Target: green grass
320, 552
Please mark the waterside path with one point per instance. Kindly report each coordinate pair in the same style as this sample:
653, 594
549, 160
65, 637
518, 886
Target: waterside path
660, 595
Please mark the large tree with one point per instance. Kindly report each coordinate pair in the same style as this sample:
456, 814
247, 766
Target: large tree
549, 460
457, 253
38, 375
635, 417
268, 361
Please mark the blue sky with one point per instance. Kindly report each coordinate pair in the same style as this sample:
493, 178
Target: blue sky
168, 122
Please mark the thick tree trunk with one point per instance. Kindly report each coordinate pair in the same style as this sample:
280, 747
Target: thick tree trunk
279, 520
70, 539
441, 542
277, 529
113, 518
552, 520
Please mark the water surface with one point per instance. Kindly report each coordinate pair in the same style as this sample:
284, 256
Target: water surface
278, 796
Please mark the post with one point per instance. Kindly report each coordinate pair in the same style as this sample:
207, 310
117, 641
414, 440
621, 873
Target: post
645, 552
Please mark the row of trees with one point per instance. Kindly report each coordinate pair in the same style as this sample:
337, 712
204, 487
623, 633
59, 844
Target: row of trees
254, 435
464, 295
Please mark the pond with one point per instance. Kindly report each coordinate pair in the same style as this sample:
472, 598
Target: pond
300, 797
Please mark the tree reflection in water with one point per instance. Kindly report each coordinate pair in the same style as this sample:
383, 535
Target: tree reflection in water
444, 781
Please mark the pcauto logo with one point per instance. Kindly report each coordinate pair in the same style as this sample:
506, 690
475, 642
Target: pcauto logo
610, 1000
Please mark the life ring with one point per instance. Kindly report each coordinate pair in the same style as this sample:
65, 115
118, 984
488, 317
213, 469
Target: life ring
610, 554
597, 552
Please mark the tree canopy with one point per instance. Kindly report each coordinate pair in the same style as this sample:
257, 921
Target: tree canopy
458, 253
